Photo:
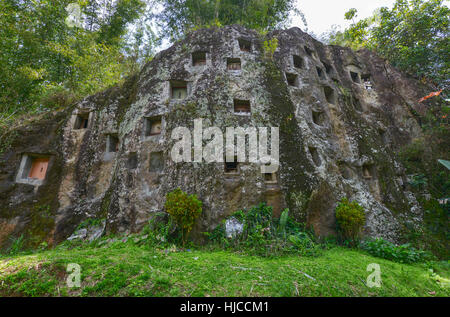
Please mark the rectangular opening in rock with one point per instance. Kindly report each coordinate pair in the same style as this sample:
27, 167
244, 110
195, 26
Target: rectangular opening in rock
315, 155
112, 143
153, 125
309, 51
318, 117
320, 72
33, 168
233, 63
298, 61
329, 94
328, 67
242, 106
38, 168
355, 77
156, 162
178, 89
245, 45
368, 171
199, 58
232, 167
270, 178
132, 161
292, 79
82, 121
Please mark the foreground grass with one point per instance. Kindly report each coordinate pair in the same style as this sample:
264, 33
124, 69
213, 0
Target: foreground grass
125, 269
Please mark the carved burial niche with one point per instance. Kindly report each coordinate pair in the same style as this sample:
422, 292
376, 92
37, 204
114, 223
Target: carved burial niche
112, 143
318, 117
242, 107
33, 168
82, 121
355, 77
320, 73
233, 63
199, 58
156, 162
178, 89
328, 67
292, 79
309, 51
298, 61
368, 171
232, 167
270, 178
329, 94
315, 156
245, 45
153, 125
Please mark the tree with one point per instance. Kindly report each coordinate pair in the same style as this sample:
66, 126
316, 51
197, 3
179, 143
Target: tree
413, 35
178, 17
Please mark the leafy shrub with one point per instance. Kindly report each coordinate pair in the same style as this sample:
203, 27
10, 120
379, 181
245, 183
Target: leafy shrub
184, 209
17, 245
403, 253
351, 219
264, 235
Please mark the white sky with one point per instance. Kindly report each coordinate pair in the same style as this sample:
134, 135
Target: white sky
322, 14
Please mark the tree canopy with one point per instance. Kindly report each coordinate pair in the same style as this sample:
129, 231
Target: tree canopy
413, 35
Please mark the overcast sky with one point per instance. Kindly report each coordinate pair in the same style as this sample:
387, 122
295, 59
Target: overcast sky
322, 14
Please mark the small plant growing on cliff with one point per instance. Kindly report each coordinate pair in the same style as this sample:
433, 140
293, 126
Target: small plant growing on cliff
270, 46
184, 209
350, 219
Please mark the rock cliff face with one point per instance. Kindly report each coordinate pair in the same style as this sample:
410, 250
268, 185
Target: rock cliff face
342, 116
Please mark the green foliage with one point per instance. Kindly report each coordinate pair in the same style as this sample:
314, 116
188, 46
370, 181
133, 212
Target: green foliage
16, 246
184, 209
264, 235
47, 64
403, 253
350, 219
179, 17
413, 36
270, 46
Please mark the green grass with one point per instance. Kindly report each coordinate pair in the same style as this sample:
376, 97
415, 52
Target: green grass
126, 269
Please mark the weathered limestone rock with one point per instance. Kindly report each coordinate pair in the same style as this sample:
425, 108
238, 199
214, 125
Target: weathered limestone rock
342, 115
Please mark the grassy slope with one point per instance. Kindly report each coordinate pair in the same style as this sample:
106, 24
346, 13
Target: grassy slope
130, 270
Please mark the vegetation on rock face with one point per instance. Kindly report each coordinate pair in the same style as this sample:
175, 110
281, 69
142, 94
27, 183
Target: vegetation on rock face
350, 219
413, 36
184, 209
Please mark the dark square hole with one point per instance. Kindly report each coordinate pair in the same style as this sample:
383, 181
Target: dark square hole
315, 156
355, 77
318, 117
231, 167
270, 177
291, 79
245, 45
309, 51
233, 63
153, 125
329, 94
320, 72
199, 58
132, 161
242, 106
112, 143
82, 121
156, 162
298, 61
178, 89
